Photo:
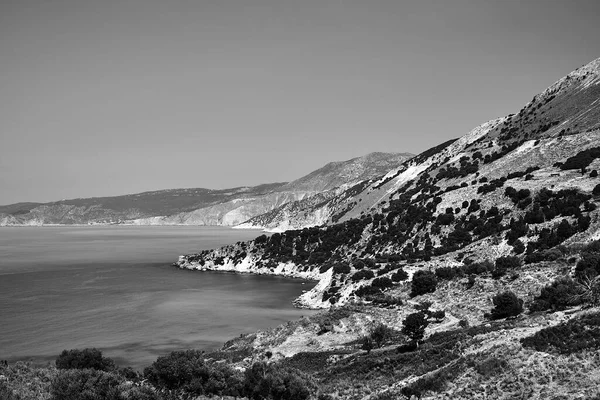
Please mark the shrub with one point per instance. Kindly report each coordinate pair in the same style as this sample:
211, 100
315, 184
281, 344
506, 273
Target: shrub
382, 283
506, 304
86, 384
399, 275
381, 334
270, 381
589, 265
414, 325
187, 371
341, 269
561, 293
503, 264
367, 291
90, 358
575, 335
423, 282
362, 274
491, 366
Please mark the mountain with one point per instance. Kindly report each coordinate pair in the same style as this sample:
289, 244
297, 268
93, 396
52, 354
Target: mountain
198, 206
472, 270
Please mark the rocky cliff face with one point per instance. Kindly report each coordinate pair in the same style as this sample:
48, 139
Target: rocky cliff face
199, 206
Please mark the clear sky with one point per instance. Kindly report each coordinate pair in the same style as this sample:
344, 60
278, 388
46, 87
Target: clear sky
107, 97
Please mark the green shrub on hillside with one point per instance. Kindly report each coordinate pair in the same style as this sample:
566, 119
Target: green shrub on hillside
575, 335
268, 381
189, 372
506, 304
423, 282
560, 294
414, 325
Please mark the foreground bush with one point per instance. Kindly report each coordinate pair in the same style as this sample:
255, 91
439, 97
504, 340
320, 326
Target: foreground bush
90, 384
187, 371
268, 381
86, 384
90, 358
22, 381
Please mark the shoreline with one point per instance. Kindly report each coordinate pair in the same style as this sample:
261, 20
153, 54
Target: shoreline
310, 299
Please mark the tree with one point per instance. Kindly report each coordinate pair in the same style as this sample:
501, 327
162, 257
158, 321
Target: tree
381, 334
414, 326
506, 304
89, 358
423, 282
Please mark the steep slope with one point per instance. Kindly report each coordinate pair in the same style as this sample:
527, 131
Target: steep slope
470, 271
197, 206
522, 181
569, 107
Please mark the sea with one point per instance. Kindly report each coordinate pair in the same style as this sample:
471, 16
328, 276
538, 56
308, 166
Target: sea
114, 288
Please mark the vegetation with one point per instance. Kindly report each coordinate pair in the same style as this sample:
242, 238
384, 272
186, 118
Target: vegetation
423, 282
573, 336
506, 304
90, 358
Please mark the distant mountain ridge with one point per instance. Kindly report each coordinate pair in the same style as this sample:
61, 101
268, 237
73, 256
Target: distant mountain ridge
198, 206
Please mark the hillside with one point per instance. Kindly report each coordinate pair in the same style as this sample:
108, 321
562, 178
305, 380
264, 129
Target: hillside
198, 206
502, 222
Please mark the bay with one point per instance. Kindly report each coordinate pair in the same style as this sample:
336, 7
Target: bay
112, 287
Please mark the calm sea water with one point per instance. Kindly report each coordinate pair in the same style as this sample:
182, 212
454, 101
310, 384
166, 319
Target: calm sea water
113, 288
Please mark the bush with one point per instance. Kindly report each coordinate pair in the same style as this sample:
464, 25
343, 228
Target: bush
90, 358
491, 366
575, 335
414, 325
86, 384
341, 269
423, 282
362, 274
381, 334
503, 264
560, 294
187, 371
399, 275
382, 283
506, 304
269, 381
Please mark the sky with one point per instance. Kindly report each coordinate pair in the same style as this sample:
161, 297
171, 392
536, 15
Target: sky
111, 97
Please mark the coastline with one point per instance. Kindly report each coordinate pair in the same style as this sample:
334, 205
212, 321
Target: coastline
311, 299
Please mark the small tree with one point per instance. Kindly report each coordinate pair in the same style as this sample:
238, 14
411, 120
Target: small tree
414, 326
423, 282
506, 304
381, 334
90, 358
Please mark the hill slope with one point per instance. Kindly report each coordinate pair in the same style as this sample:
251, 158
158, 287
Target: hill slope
499, 222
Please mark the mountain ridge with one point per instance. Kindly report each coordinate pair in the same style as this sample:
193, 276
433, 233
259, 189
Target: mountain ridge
193, 206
